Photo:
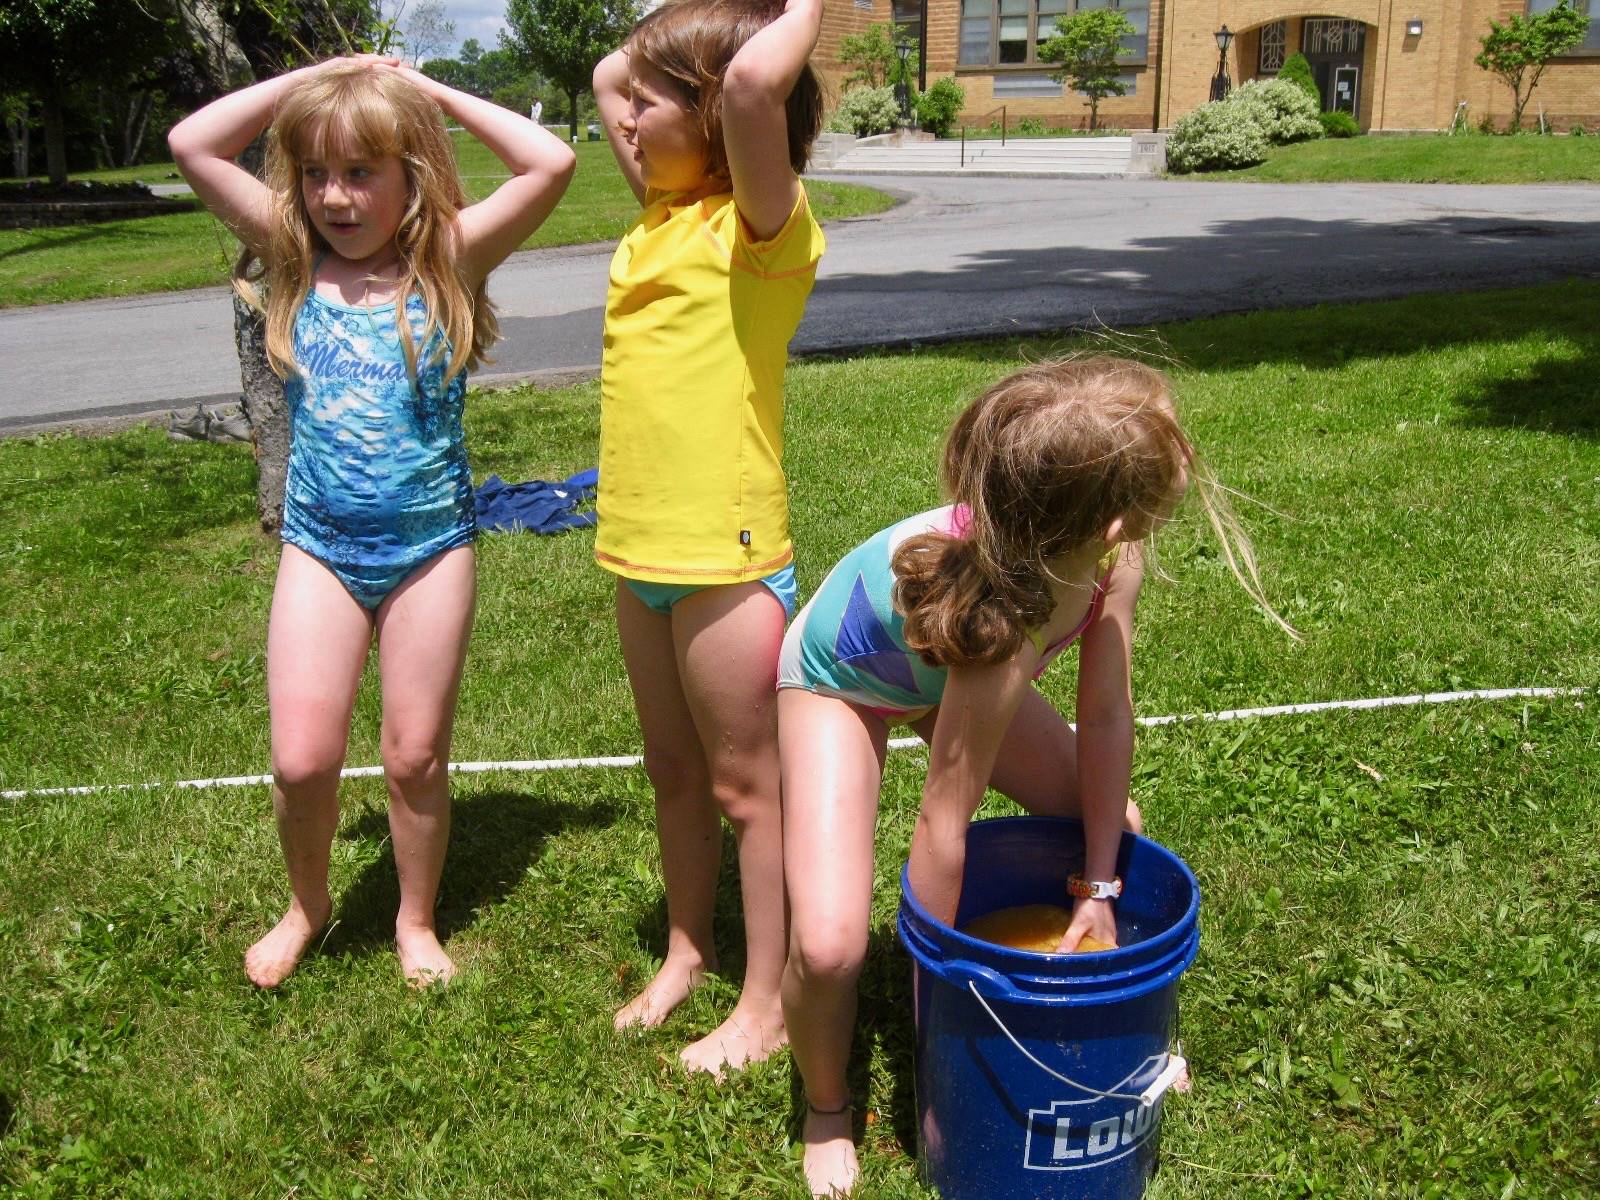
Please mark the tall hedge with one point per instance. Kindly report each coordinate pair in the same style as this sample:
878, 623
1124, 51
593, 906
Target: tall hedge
1297, 69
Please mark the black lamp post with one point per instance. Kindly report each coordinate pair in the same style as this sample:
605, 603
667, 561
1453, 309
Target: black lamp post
902, 89
1221, 85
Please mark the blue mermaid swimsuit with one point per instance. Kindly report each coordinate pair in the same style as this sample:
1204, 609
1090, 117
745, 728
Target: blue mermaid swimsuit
378, 478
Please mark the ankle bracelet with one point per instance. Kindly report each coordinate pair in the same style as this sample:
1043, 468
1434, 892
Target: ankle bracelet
828, 1112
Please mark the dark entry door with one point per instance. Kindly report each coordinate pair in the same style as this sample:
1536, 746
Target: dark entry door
1346, 89
1334, 47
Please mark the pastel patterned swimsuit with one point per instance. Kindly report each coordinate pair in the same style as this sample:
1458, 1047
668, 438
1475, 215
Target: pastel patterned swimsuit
378, 478
849, 641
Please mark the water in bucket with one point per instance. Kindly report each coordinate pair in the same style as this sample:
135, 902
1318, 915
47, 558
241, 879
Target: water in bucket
1040, 1076
1035, 927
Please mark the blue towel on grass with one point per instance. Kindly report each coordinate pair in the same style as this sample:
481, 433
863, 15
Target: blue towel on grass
536, 506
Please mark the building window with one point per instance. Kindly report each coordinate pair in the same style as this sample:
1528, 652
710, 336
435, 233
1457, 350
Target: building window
1328, 35
1010, 32
1274, 47
1590, 44
1011, 43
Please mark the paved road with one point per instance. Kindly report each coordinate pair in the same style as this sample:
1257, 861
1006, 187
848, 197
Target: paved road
961, 256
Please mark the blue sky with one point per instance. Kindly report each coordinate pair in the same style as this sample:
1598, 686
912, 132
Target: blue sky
481, 19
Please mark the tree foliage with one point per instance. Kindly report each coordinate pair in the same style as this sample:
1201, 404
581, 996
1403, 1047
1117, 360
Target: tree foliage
866, 111
1280, 107
497, 75
938, 107
52, 49
428, 32
873, 59
1088, 47
1297, 69
1215, 137
277, 35
564, 39
1519, 50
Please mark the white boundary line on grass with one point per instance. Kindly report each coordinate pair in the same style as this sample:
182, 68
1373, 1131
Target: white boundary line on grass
634, 760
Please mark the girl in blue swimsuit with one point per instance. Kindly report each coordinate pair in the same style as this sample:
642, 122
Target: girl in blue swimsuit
374, 267
1059, 475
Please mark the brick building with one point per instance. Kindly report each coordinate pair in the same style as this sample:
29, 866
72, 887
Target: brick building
1396, 64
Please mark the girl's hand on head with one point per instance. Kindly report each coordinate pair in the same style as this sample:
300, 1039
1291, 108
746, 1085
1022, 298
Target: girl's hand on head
425, 84
1090, 918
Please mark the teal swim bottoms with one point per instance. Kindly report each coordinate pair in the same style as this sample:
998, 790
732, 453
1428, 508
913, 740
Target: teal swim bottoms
660, 597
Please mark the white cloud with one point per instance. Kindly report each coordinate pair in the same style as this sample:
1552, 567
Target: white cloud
481, 19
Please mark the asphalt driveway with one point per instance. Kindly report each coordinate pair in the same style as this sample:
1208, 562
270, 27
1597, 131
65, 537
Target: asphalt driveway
961, 257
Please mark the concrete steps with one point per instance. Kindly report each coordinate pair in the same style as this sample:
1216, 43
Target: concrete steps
1083, 156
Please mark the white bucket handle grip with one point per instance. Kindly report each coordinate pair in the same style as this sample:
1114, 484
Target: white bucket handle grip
1174, 1067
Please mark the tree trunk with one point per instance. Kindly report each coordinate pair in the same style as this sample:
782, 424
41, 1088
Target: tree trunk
572, 99
267, 411
55, 135
133, 128
18, 128
104, 158
264, 404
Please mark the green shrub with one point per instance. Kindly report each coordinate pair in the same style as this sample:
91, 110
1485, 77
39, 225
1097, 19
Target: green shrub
1216, 137
865, 111
1297, 69
1338, 124
1281, 107
1030, 126
1578, 131
938, 107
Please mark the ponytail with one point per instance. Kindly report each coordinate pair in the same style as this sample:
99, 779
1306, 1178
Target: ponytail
960, 611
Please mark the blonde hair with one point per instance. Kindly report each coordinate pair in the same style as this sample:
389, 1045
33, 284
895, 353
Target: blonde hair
372, 113
693, 41
1044, 462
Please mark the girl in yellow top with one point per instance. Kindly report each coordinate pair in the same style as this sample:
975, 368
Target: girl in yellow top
711, 109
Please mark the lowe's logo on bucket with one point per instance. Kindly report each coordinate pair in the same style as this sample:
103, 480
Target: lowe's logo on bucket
1063, 1137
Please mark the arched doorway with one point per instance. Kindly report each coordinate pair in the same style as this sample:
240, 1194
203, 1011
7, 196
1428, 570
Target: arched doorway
1335, 48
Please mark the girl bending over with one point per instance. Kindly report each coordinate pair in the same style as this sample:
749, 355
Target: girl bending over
1058, 475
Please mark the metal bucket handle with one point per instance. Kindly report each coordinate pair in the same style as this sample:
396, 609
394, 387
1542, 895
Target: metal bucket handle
1170, 1071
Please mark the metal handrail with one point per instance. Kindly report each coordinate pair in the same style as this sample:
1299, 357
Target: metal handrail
985, 119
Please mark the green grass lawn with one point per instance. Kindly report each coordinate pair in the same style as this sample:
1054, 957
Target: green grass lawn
1395, 995
187, 250
1428, 158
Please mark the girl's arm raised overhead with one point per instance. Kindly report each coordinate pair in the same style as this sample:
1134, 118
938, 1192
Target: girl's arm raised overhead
973, 716
1105, 741
755, 126
206, 143
611, 98
541, 167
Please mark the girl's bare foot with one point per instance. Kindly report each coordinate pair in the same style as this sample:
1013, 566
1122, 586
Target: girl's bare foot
670, 988
745, 1037
272, 959
423, 961
830, 1153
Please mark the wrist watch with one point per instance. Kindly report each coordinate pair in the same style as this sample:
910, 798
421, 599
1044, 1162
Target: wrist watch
1094, 889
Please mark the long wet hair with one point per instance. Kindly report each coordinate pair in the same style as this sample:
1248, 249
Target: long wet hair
693, 41
1044, 462
362, 112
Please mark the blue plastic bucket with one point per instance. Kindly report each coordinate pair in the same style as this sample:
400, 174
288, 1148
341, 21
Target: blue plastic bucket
1041, 1075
